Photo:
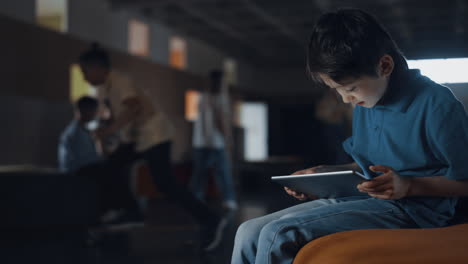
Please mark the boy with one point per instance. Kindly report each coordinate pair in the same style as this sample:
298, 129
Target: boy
409, 136
77, 147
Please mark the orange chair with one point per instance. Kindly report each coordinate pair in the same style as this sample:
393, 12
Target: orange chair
389, 246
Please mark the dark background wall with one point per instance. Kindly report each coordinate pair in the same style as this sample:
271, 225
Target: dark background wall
34, 94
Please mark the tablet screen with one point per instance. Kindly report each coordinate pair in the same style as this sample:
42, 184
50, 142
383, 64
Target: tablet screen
325, 184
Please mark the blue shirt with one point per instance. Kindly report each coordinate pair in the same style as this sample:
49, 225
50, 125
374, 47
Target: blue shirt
76, 148
419, 129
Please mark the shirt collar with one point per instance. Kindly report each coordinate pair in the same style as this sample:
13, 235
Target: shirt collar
400, 92
78, 126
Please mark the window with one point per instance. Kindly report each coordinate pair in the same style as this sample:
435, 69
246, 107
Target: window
443, 70
138, 38
254, 120
52, 14
230, 71
177, 53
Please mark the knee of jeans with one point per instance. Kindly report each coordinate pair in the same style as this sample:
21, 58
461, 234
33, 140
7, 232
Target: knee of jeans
278, 229
247, 231
272, 228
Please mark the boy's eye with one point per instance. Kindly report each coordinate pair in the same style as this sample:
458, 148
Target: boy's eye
352, 89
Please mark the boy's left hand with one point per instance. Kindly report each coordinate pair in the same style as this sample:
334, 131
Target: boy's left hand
388, 186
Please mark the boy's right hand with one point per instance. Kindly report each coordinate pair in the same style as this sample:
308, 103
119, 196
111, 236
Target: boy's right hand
298, 195
303, 196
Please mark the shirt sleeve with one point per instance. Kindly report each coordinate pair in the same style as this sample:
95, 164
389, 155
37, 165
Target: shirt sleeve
348, 145
447, 131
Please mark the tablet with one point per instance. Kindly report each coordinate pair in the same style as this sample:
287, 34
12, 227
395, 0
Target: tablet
325, 184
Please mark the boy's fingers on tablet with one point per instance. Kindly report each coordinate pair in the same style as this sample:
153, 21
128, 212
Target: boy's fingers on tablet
380, 168
376, 189
300, 172
290, 191
382, 179
386, 195
383, 187
295, 194
320, 168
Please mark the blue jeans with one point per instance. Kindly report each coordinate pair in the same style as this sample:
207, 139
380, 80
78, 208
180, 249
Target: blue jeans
276, 238
203, 160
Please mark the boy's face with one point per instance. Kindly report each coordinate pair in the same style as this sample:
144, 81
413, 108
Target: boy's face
95, 75
364, 91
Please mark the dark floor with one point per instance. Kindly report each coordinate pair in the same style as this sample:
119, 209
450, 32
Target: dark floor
169, 236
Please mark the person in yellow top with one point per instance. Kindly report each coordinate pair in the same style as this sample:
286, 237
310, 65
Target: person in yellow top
146, 128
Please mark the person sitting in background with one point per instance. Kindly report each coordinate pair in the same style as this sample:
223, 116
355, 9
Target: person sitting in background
77, 148
146, 128
210, 135
78, 154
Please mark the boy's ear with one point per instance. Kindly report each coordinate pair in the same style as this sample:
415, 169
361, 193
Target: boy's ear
386, 65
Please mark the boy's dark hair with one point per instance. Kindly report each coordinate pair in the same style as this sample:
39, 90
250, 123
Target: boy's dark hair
348, 44
95, 56
86, 104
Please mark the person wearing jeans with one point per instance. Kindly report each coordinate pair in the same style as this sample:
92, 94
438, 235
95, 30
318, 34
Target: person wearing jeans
277, 237
211, 141
204, 159
409, 136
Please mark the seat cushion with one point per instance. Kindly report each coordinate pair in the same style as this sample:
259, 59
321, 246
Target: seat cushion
385, 246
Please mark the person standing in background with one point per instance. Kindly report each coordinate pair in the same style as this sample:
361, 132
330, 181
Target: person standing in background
211, 141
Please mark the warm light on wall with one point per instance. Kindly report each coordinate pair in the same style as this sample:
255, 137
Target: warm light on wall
52, 14
177, 53
192, 99
138, 38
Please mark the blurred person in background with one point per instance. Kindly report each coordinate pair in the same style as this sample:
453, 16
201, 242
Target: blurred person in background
79, 153
146, 131
211, 139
